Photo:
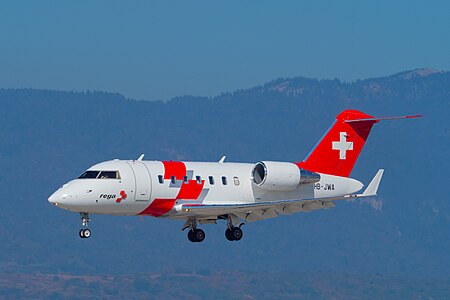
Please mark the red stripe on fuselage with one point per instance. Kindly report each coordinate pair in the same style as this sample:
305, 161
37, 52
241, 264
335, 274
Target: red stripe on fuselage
159, 207
188, 191
174, 168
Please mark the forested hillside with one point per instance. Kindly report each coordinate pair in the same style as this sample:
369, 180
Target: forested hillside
49, 137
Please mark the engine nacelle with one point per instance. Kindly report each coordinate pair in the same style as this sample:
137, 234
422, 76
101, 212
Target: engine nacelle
281, 176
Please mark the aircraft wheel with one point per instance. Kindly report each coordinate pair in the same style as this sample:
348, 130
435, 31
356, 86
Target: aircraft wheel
229, 235
237, 233
86, 233
191, 236
81, 233
199, 235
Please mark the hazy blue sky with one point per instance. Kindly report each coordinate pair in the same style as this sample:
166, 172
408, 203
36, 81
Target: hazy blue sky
161, 49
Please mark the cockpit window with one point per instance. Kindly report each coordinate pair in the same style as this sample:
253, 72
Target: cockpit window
89, 175
100, 175
109, 175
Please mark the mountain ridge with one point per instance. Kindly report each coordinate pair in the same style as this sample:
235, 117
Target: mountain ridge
280, 84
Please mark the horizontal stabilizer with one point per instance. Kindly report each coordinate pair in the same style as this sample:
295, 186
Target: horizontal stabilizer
372, 188
383, 118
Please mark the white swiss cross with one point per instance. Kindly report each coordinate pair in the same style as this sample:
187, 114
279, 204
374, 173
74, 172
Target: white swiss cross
342, 145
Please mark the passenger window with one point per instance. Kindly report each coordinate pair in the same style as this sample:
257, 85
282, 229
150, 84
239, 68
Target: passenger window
185, 179
172, 179
109, 175
89, 175
199, 179
211, 180
160, 179
224, 180
236, 180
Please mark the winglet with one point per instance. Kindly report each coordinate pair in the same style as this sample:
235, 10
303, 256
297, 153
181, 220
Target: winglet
372, 188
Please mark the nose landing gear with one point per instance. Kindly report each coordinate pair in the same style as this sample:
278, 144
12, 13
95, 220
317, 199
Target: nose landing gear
84, 232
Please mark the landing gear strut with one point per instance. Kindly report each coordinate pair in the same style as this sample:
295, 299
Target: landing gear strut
84, 232
195, 234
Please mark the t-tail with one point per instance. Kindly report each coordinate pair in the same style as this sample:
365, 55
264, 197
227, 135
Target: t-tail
336, 153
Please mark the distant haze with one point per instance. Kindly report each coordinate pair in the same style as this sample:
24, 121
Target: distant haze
159, 49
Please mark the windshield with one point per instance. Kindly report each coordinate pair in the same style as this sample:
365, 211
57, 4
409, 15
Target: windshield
89, 175
100, 175
109, 175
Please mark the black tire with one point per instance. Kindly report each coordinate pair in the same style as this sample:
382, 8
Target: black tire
237, 233
229, 235
191, 236
81, 233
199, 235
86, 233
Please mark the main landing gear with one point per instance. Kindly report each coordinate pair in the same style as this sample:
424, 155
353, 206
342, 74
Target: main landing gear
234, 231
195, 235
84, 232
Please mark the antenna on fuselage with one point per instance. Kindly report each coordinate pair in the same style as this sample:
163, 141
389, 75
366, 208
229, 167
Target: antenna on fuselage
141, 157
222, 159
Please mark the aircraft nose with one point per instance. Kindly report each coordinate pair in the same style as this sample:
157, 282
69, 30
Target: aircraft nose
54, 198
58, 197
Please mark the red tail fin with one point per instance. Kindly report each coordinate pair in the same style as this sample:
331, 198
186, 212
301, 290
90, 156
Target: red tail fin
337, 151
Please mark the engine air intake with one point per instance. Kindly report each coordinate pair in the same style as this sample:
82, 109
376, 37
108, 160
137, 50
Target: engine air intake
281, 176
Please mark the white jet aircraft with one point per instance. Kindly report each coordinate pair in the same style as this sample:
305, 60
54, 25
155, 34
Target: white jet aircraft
204, 192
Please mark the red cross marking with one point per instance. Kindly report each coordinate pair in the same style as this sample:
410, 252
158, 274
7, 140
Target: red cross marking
123, 196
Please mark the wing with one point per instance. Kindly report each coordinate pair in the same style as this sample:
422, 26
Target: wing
264, 210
